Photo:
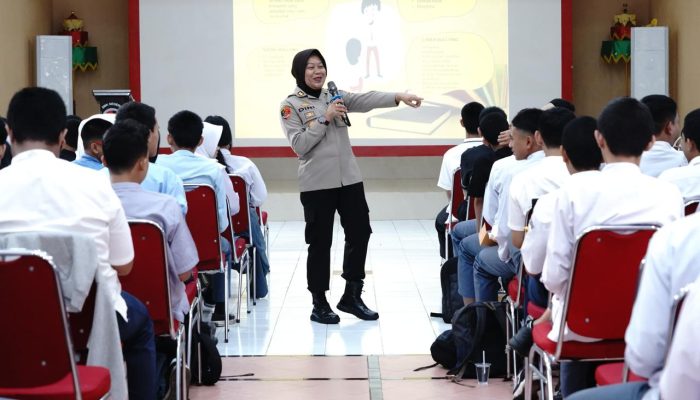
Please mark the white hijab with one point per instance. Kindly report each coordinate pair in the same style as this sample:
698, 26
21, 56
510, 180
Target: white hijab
107, 117
211, 134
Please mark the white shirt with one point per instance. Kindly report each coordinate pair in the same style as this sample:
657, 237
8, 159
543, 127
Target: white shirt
44, 193
660, 157
619, 195
542, 178
500, 232
451, 161
671, 264
687, 178
249, 171
494, 187
680, 379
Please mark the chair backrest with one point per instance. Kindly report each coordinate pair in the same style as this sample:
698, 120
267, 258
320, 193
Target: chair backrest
457, 194
691, 206
80, 325
148, 280
202, 220
241, 221
36, 347
603, 280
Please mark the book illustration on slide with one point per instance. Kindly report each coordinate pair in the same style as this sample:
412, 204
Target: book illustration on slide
424, 120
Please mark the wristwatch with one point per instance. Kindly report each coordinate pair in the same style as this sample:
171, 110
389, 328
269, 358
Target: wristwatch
323, 120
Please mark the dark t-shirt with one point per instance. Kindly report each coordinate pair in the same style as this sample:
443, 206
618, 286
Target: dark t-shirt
482, 170
467, 161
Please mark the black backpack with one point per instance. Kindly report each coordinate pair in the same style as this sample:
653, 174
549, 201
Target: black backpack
204, 350
451, 299
476, 328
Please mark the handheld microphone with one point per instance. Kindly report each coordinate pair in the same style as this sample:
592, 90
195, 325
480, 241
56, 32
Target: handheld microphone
333, 91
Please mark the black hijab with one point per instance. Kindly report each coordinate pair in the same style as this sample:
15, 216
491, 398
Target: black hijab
299, 69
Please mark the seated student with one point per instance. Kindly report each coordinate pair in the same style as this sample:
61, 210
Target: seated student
451, 161
619, 195
125, 154
560, 103
662, 156
687, 179
490, 127
184, 135
159, 179
503, 260
68, 148
671, 264
91, 131
36, 119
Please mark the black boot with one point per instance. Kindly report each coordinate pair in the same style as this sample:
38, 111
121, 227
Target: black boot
353, 304
322, 312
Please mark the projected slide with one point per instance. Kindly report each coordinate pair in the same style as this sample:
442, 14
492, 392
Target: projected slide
448, 51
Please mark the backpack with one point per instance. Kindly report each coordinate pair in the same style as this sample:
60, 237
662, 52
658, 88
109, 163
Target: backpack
451, 299
476, 328
204, 350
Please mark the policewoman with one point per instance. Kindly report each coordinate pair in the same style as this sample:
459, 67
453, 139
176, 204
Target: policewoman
330, 180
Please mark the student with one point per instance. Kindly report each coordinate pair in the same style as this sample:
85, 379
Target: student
159, 179
3, 139
451, 161
184, 135
91, 131
687, 178
74, 199
662, 156
125, 154
619, 195
71, 143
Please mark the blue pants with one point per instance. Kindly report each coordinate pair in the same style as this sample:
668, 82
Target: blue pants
622, 391
575, 376
139, 349
488, 267
466, 244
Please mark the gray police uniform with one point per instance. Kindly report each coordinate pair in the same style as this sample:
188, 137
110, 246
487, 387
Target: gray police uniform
330, 180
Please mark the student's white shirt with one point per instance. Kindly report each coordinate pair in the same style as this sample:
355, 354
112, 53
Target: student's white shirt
451, 161
542, 178
660, 157
494, 187
619, 195
687, 178
500, 232
671, 264
680, 378
249, 171
44, 193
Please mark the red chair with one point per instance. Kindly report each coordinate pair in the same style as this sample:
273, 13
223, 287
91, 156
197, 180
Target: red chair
593, 307
241, 223
453, 209
36, 358
262, 217
691, 205
148, 282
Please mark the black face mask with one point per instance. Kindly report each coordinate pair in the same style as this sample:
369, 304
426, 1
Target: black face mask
299, 69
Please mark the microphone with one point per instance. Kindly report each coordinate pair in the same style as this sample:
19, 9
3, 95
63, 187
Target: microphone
333, 91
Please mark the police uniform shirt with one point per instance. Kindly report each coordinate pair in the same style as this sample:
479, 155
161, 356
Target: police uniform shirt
451, 161
619, 195
660, 157
326, 160
687, 179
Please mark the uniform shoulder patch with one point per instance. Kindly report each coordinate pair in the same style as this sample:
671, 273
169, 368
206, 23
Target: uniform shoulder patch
301, 93
286, 111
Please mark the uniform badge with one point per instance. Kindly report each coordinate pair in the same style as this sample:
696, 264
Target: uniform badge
286, 111
309, 114
301, 93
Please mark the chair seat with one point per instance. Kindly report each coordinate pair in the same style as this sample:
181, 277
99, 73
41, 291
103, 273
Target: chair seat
513, 289
534, 310
94, 384
264, 217
191, 291
610, 374
611, 349
241, 244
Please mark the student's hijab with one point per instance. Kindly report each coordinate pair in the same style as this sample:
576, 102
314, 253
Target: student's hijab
210, 140
299, 70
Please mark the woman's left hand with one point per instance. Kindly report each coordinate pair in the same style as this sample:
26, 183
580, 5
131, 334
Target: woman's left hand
410, 100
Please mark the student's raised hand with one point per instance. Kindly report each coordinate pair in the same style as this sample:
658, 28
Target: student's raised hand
504, 138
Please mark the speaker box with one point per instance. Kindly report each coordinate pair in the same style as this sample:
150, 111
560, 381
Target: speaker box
649, 61
54, 66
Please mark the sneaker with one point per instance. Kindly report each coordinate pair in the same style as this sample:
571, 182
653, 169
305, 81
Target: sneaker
219, 315
519, 386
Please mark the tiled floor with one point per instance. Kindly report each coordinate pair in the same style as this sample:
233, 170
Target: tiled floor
402, 284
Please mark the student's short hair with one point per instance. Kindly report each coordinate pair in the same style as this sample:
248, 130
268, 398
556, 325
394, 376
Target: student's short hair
139, 112
36, 114
470, 116
124, 144
663, 109
3, 131
551, 125
561, 103
492, 109
627, 126
527, 120
367, 3
93, 130
492, 125
186, 129
72, 125
580, 145
691, 126
226, 137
